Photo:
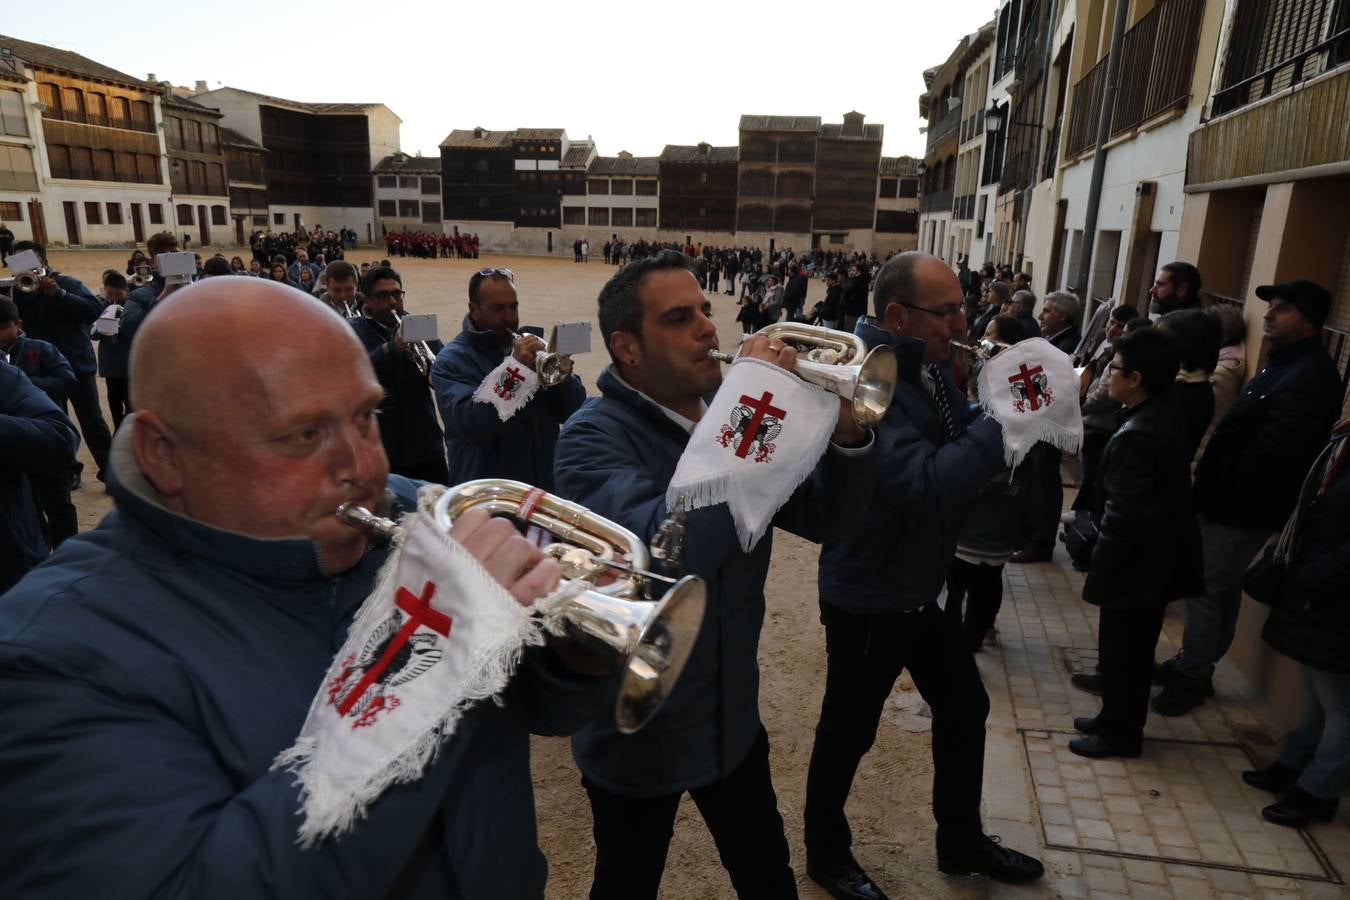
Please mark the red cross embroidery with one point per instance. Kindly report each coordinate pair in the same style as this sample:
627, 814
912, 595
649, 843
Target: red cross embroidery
1024, 375
514, 373
758, 410
420, 612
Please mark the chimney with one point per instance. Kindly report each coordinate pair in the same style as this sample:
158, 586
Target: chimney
704, 148
853, 124
478, 132
151, 78
201, 87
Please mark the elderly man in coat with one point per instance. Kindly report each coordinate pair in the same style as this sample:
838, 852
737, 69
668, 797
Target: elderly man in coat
152, 669
478, 442
617, 456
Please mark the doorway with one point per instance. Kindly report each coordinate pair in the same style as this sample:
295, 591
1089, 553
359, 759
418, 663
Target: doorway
72, 223
37, 221
204, 225
239, 230
137, 226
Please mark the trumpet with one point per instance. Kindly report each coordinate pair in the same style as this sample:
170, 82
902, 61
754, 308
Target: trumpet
646, 641
31, 280
552, 367
418, 352
840, 363
140, 279
983, 349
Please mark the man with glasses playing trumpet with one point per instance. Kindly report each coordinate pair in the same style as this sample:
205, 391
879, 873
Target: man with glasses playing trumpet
408, 427
618, 456
501, 417
151, 672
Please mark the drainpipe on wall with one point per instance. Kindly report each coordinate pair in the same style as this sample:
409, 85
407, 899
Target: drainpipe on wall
1094, 198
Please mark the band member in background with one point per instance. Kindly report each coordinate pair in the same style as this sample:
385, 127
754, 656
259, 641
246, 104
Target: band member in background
60, 312
340, 293
617, 456
154, 674
114, 352
50, 373
883, 592
412, 437
478, 443
146, 298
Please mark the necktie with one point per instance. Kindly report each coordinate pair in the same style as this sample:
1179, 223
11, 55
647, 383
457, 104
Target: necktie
944, 403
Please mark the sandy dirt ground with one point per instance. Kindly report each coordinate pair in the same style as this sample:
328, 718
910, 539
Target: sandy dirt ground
890, 807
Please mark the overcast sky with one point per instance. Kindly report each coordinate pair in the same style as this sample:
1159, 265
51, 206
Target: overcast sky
635, 76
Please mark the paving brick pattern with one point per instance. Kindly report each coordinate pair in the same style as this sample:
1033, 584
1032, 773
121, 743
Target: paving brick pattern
1177, 822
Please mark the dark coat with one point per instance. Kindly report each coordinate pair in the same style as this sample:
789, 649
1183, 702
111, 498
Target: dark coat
1196, 399
478, 443
900, 557
1256, 458
1311, 624
1032, 326
115, 356
1067, 341
616, 456
64, 320
794, 295
152, 670
45, 367
855, 296
831, 308
1148, 545
35, 436
408, 427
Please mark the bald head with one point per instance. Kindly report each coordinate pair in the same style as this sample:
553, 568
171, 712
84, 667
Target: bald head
908, 277
211, 350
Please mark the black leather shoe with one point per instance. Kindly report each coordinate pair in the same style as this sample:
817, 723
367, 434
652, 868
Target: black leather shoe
844, 879
991, 858
1026, 557
1087, 681
1298, 808
1274, 778
1086, 724
1181, 695
1095, 746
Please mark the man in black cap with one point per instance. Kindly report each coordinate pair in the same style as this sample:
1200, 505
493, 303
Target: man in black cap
1249, 478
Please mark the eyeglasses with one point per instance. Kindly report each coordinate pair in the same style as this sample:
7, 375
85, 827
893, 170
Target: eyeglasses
388, 295
1121, 369
500, 273
948, 312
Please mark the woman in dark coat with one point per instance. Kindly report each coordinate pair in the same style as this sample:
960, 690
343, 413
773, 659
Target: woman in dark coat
1201, 338
1148, 549
1310, 623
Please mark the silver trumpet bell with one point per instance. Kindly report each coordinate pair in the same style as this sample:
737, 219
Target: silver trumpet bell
840, 363
552, 367
29, 281
645, 641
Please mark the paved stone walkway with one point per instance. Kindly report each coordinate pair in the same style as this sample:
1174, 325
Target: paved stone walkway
1177, 822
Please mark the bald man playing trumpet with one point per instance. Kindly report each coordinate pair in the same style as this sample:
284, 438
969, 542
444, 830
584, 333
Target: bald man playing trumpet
151, 671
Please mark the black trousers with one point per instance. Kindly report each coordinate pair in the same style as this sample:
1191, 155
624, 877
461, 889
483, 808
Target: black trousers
119, 399
84, 397
433, 470
981, 587
632, 834
51, 492
1045, 518
865, 654
1125, 642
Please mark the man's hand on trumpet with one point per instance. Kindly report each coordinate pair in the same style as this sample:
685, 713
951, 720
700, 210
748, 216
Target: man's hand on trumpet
525, 347
512, 561
847, 432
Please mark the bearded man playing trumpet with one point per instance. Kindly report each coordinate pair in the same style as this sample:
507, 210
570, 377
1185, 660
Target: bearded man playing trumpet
501, 420
618, 456
408, 428
152, 669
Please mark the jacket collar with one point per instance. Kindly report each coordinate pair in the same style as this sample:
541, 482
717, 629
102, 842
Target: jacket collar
908, 350
482, 341
1295, 350
612, 387
279, 560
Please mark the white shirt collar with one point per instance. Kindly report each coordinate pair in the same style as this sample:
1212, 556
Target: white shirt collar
685, 423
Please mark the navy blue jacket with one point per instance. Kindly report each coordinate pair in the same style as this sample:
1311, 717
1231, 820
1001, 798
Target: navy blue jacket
899, 559
616, 456
408, 426
35, 436
151, 671
1254, 463
478, 443
45, 367
115, 356
63, 320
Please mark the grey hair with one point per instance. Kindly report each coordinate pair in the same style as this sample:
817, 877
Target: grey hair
1066, 302
1026, 298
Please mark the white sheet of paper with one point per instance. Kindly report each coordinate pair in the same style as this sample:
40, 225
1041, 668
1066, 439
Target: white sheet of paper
23, 261
573, 337
419, 328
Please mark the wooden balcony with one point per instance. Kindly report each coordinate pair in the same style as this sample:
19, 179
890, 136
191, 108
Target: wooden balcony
1157, 62
1255, 142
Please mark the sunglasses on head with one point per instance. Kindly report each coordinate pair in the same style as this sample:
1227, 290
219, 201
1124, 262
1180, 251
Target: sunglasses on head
502, 273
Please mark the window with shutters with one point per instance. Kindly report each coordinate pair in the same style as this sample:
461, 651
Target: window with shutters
407, 181
184, 211
147, 168
72, 104
621, 217
97, 112
431, 185
218, 216
574, 215
388, 208
888, 188
12, 118
114, 211
388, 181
621, 186
215, 179
93, 213
210, 141
103, 165
49, 95
119, 112
644, 218
10, 211
173, 132
597, 185
408, 209
141, 117
156, 213
645, 187
16, 169
598, 215
81, 163
431, 212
